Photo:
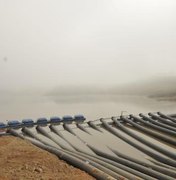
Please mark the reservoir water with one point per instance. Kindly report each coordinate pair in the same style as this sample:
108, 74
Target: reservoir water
35, 105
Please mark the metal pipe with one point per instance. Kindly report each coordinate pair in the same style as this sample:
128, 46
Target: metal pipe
154, 126
144, 150
167, 117
164, 121
153, 146
148, 131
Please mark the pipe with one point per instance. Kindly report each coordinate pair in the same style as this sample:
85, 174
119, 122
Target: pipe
92, 125
124, 171
82, 128
164, 121
157, 148
147, 131
41, 130
14, 133
161, 170
148, 152
164, 130
53, 150
90, 169
44, 132
97, 165
127, 161
167, 117
145, 173
124, 167
156, 122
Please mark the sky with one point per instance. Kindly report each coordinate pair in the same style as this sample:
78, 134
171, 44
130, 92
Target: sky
47, 44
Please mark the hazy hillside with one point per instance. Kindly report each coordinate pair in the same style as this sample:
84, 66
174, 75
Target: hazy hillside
163, 88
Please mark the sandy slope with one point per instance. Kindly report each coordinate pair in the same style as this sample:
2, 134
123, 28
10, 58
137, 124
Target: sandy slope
20, 159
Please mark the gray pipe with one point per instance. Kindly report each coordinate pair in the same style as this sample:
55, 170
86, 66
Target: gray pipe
164, 130
41, 130
122, 170
167, 117
82, 128
98, 174
133, 171
92, 125
70, 158
161, 170
143, 169
145, 173
148, 152
117, 170
66, 127
156, 122
97, 165
164, 121
155, 134
158, 148
44, 132
13, 132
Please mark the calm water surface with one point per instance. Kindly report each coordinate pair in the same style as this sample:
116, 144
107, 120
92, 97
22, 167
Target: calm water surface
16, 106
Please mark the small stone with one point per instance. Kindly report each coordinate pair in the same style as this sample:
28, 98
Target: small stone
39, 170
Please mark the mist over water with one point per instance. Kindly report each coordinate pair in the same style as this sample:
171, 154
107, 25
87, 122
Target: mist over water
93, 102
95, 57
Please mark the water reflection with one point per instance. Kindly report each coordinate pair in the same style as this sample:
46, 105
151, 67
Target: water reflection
93, 106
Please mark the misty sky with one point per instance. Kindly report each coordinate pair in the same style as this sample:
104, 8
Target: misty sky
47, 43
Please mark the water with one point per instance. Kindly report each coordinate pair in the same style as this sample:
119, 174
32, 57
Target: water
35, 105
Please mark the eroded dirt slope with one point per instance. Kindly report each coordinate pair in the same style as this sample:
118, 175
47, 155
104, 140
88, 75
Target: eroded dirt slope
20, 160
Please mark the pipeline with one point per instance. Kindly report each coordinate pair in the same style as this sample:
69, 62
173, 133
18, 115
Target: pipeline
123, 173
159, 169
34, 136
127, 162
66, 127
82, 128
144, 150
83, 165
120, 165
164, 130
102, 161
157, 123
167, 117
145, 173
14, 133
41, 130
97, 165
111, 166
49, 146
31, 134
54, 129
158, 148
124, 168
164, 121
44, 132
118, 168
163, 170
147, 131
92, 125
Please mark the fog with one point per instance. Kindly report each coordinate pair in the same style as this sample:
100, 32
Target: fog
61, 57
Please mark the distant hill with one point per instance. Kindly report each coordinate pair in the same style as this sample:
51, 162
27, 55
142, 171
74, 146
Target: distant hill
163, 88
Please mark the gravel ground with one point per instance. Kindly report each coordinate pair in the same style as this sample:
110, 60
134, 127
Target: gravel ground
20, 160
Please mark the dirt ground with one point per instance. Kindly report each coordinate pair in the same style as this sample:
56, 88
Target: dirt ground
20, 160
